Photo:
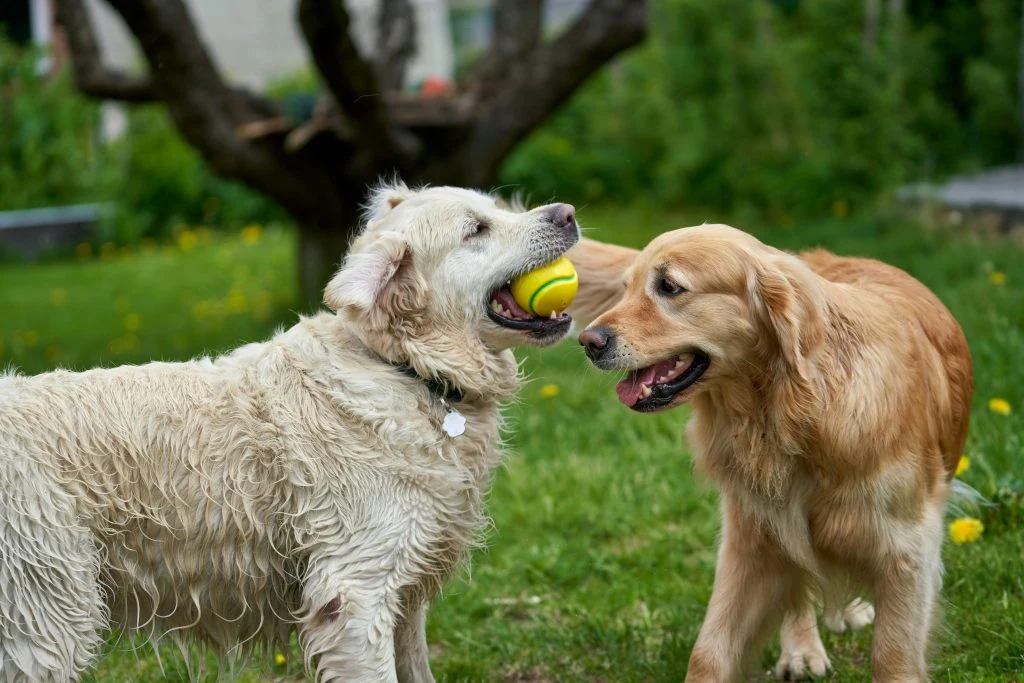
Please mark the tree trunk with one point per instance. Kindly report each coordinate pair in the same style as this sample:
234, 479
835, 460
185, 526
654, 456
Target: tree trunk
371, 130
320, 251
872, 9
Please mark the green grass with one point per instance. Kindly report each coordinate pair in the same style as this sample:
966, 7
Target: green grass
601, 557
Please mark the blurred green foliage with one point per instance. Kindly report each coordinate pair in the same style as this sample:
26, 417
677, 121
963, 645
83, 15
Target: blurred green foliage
52, 154
785, 107
782, 108
48, 143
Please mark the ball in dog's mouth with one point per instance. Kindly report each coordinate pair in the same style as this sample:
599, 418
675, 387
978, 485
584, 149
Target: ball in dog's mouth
503, 310
655, 386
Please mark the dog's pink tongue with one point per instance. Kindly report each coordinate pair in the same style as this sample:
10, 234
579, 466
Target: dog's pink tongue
504, 297
629, 389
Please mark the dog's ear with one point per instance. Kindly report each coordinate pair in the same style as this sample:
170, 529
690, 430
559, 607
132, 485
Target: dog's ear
367, 273
384, 198
786, 303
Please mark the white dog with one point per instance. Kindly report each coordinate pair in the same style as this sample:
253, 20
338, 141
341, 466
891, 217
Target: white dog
328, 480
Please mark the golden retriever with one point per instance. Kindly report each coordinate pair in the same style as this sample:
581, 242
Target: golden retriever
830, 400
326, 481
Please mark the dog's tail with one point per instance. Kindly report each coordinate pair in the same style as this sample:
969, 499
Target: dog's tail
965, 499
601, 269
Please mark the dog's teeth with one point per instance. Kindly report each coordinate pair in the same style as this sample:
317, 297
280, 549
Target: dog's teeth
663, 378
679, 364
646, 392
554, 315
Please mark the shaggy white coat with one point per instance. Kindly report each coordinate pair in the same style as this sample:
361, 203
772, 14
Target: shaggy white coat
301, 483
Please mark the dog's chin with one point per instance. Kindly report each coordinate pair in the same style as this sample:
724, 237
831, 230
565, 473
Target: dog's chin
664, 385
532, 330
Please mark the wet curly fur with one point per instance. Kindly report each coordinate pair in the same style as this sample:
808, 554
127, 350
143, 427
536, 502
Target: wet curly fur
298, 484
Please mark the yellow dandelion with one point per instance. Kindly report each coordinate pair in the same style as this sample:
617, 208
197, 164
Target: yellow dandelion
963, 465
966, 530
840, 208
997, 277
132, 322
279, 659
58, 296
108, 251
237, 302
999, 406
187, 240
549, 391
83, 251
30, 338
122, 304
251, 234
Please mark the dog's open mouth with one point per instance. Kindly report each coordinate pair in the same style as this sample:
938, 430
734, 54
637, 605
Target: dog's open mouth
655, 386
503, 309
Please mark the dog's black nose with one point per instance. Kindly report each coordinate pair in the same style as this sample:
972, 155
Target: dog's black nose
563, 215
596, 342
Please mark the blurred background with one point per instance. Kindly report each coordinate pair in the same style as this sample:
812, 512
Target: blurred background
178, 177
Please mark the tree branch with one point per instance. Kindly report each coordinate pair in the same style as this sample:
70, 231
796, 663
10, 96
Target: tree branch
535, 86
326, 27
91, 77
515, 32
396, 42
208, 113
517, 27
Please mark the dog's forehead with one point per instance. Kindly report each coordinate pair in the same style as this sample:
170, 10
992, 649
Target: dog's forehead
452, 199
712, 255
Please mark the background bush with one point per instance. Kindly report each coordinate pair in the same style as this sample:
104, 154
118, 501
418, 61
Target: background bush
781, 107
772, 106
52, 154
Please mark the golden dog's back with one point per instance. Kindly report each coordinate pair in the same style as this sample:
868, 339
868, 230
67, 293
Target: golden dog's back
922, 306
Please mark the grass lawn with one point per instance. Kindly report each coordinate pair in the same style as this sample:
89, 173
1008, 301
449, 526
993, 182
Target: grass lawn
601, 556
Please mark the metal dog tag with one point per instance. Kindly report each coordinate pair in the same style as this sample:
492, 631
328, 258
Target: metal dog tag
454, 423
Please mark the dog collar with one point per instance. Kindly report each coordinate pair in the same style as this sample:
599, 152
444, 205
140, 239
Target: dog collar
441, 388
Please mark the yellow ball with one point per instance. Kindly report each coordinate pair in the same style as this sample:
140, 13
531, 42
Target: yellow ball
549, 288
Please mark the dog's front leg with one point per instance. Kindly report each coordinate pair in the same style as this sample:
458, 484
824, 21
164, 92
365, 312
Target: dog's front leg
411, 655
348, 632
754, 584
906, 590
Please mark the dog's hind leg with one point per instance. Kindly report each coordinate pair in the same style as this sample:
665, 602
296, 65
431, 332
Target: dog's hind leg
51, 603
854, 616
803, 654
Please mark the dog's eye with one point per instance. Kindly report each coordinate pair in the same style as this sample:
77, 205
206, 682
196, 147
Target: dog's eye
477, 229
668, 288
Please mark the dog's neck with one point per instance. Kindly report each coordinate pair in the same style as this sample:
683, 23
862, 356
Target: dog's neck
453, 362
752, 431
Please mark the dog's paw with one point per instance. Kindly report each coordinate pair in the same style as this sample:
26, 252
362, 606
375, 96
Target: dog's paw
799, 664
853, 617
